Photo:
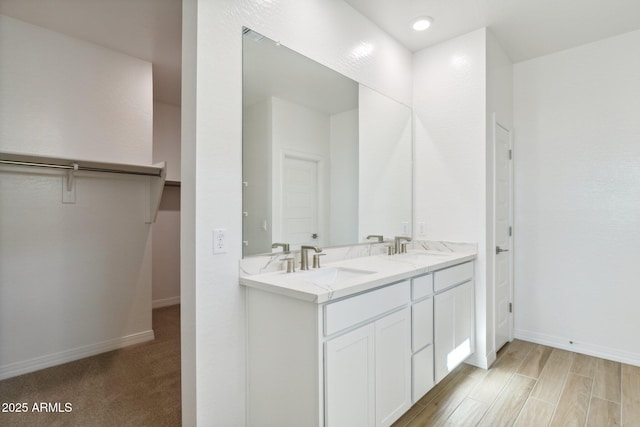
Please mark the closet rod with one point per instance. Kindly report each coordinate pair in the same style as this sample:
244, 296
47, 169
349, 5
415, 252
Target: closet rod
80, 168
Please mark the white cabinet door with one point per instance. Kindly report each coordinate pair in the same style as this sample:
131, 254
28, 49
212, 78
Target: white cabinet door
368, 373
393, 366
453, 324
350, 379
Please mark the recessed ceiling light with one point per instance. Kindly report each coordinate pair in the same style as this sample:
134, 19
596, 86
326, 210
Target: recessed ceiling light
422, 23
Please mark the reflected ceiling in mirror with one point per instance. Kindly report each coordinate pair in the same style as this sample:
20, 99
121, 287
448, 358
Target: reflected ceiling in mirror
319, 166
272, 70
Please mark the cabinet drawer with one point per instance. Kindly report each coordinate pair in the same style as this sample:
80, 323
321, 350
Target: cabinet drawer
422, 322
457, 274
422, 373
351, 311
421, 286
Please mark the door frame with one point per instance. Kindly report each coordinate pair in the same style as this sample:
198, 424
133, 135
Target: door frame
278, 174
510, 315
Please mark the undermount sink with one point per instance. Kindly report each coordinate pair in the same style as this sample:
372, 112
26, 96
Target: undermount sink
331, 275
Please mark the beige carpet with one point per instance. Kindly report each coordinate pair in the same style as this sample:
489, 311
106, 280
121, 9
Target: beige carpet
134, 386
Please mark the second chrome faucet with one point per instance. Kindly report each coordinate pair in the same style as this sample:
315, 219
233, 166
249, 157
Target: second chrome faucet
304, 256
401, 247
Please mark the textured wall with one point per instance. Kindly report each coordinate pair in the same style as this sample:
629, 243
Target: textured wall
577, 206
65, 97
450, 149
329, 32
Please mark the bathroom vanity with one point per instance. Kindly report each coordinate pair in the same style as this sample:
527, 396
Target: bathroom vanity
356, 342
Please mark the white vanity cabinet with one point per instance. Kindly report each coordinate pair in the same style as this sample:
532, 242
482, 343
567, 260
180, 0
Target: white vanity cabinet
368, 373
343, 363
368, 370
453, 317
359, 360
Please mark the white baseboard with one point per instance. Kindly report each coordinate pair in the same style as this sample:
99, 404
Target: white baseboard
563, 343
481, 361
23, 367
166, 302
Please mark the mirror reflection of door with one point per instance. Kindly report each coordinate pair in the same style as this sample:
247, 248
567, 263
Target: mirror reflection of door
300, 195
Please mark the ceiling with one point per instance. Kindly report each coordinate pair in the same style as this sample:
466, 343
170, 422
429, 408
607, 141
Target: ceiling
151, 29
525, 28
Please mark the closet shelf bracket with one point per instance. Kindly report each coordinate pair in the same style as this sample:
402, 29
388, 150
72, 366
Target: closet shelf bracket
69, 187
155, 186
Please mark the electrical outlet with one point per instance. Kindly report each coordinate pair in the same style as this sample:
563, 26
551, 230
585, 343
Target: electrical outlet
219, 241
422, 228
405, 229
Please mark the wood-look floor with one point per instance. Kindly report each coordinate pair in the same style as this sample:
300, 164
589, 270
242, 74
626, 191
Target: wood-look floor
533, 385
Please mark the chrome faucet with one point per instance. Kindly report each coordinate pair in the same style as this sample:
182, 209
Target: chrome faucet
376, 236
304, 255
284, 246
401, 247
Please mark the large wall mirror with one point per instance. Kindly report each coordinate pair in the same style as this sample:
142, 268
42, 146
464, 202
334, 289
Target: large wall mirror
325, 161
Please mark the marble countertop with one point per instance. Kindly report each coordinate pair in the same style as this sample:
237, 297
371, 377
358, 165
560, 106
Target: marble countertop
360, 274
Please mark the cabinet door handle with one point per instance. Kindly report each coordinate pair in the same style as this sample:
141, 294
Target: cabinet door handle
499, 249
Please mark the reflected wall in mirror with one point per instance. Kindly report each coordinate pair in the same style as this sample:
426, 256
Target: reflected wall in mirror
325, 161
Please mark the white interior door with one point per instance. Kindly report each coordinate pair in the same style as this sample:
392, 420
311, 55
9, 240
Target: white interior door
503, 259
300, 201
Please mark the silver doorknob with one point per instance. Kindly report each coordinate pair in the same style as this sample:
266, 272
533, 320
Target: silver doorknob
499, 249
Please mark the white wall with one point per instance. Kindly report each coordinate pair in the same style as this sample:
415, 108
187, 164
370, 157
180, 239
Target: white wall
64, 97
166, 138
75, 279
213, 339
166, 228
499, 85
343, 177
450, 193
577, 207
166, 250
458, 86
